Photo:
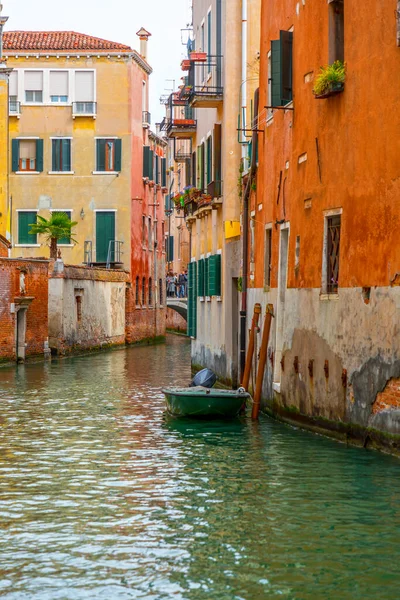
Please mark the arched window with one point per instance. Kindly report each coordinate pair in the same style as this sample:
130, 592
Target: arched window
160, 290
143, 291
150, 291
137, 290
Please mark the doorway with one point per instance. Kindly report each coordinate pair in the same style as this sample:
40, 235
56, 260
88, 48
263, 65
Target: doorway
280, 305
105, 233
21, 334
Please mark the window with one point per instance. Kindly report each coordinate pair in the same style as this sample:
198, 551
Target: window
333, 253
160, 287
297, 254
25, 220
149, 235
13, 91
108, 155
61, 155
78, 300
281, 69
84, 87
209, 40
270, 112
27, 155
144, 231
148, 160
336, 30
137, 290
66, 240
150, 291
59, 86
143, 291
193, 169
170, 249
34, 87
267, 257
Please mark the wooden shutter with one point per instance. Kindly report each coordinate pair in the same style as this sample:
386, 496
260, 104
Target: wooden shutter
39, 155
15, 155
118, 155
101, 155
206, 276
170, 248
200, 277
146, 161
151, 165
66, 240
194, 181
66, 155
214, 275
105, 233
25, 220
192, 299
281, 69
218, 156
168, 203
163, 172
157, 169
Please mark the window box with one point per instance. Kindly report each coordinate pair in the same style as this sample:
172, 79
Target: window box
333, 89
198, 56
185, 64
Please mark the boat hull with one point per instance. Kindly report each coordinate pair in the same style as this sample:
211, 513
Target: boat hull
203, 403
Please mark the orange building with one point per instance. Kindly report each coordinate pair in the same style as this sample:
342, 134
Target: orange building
324, 221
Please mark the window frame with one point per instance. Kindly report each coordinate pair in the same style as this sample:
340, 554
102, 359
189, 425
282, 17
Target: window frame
60, 171
326, 293
29, 170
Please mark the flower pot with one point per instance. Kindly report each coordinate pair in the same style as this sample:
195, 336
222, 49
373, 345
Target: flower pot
185, 64
332, 89
198, 56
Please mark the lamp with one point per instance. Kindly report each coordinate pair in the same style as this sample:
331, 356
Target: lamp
82, 213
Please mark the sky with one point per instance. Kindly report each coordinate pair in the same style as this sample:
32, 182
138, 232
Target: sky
118, 21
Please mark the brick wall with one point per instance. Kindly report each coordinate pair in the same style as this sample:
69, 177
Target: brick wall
36, 287
389, 398
175, 322
143, 323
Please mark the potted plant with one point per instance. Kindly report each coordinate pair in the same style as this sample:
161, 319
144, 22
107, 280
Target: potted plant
330, 80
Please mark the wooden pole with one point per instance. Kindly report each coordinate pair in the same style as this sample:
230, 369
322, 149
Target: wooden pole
263, 360
250, 350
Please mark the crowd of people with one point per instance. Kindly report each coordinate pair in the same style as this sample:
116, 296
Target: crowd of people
177, 285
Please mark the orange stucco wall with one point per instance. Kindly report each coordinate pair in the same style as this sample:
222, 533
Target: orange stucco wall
358, 140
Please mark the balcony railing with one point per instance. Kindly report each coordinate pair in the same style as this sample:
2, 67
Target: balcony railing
146, 119
182, 150
214, 189
179, 127
114, 255
14, 107
84, 109
205, 88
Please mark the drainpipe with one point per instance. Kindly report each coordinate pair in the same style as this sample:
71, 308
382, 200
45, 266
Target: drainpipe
155, 244
244, 76
243, 311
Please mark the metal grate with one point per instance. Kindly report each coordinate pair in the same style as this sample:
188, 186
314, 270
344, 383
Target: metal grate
333, 254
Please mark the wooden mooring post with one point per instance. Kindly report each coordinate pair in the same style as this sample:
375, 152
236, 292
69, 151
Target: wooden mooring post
263, 360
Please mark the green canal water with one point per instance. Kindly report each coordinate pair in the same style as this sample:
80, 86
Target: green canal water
102, 496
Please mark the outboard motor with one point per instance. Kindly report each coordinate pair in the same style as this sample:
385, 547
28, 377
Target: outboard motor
205, 378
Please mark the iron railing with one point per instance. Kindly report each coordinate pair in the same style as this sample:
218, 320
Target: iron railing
88, 252
84, 109
214, 189
114, 254
205, 79
146, 118
182, 150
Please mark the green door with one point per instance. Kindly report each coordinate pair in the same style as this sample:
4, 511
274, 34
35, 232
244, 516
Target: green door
105, 233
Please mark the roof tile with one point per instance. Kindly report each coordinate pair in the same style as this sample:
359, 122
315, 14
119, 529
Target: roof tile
58, 40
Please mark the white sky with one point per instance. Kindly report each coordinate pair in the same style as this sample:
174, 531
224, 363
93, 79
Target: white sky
118, 21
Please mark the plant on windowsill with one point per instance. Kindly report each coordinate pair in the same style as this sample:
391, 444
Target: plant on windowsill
330, 80
58, 227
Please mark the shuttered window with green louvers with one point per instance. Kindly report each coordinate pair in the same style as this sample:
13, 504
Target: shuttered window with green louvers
164, 172
206, 280
192, 299
148, 157
200, 277
281, 69
214, 275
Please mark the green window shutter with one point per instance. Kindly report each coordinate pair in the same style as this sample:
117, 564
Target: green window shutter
151, 165
66, 155
192, 299
101, 155
164, 172
146, 161
157, 161
202, 166
206, 276
55, 154
118, 155
170, 256
281, 69
25, 220
276, 99
209, 160
214, 275
200, 277
15, 155
105, 233
66, 240
168, 203
218, 156
39, 156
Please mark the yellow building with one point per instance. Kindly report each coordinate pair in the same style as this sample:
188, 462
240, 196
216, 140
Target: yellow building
78, 112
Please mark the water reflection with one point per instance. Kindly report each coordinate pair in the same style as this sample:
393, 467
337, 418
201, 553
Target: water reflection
103, 495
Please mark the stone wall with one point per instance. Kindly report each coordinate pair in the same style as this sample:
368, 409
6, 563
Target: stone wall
143, 323
23, 308
86, 308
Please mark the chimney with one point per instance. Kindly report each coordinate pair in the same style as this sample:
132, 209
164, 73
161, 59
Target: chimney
143, 36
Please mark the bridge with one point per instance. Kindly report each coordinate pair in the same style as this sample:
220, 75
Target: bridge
178, 304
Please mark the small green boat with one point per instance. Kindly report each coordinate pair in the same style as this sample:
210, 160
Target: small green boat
201, 402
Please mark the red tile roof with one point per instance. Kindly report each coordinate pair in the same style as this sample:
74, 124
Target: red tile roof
58, 40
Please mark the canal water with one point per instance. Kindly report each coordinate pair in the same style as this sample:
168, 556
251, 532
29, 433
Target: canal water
102, 496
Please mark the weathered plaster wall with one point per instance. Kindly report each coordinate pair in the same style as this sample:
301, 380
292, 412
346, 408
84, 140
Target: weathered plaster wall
175, 322
102, 318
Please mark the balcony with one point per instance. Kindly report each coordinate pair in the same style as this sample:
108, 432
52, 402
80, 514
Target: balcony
205, 89
180, 128
182, 150
214, 189
114, 255
146, 119
14, 108
84, 109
